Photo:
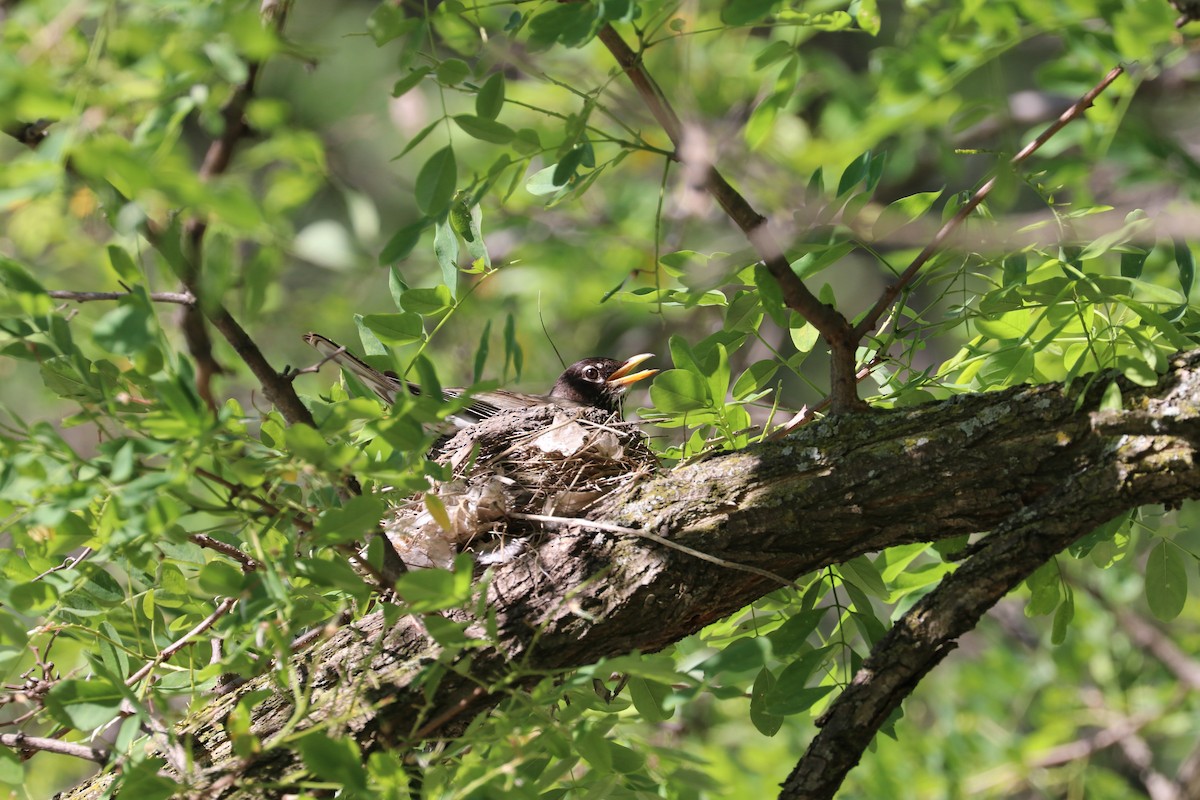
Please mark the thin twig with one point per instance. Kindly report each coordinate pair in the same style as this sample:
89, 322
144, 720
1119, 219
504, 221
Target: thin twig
182, 298
19, 741
893, 291
204, 540
67, 563
610, 528
476, 694
221, 610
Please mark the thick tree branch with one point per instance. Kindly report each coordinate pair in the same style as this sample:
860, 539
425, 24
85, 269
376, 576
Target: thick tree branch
926, 634
1025, 464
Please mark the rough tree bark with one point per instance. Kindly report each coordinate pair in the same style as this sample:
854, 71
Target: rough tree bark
1033, 468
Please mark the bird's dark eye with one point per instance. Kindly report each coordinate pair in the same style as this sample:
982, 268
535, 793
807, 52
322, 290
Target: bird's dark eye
591, 374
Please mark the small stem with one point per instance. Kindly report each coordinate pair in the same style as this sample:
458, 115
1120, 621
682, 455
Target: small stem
182, 298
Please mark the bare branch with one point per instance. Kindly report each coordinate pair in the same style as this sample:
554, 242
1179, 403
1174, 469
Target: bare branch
19, 741
182, 298
204, 540
890, 294
221, 610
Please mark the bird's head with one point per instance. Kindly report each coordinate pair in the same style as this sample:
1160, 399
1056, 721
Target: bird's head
600, 382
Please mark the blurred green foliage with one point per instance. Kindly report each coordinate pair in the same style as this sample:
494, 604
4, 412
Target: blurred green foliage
467, 190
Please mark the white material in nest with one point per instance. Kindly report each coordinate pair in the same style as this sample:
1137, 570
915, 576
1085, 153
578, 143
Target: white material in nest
567, 437
423, 541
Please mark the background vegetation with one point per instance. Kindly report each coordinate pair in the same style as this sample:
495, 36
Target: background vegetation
472, 191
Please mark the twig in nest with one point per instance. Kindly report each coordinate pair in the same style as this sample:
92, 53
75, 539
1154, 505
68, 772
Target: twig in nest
654, 537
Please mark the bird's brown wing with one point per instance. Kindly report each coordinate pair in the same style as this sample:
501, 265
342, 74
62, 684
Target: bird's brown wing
382, 384
482, 406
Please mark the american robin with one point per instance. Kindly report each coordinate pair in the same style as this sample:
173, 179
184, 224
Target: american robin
591, 382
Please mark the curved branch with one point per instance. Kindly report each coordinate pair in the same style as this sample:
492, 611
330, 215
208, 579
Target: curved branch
831, 324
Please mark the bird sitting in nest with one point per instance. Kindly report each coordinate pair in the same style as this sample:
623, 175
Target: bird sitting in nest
515, 457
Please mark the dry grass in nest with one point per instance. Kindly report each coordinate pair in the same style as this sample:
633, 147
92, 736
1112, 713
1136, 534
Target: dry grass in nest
544, 461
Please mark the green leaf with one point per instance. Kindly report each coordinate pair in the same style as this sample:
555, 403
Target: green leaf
804, 334
84, 704
388, 22
565, 169
1045, 586
867, 16
745, 12
904, 211
220, 578
1015, 269
594, 747
755, 378
740, 655
1132, 262
334, 759
445, 632
428, 590
141, 779
490, 98
648, 698
792, 635
771, 294
679, 391
409, 81
350, 522
1112, 398
773, 53
484, 129
122, 264
796, 701
11, 771
1187, 266
427, 302
542, 182
416, 140
436, 182
452, 71
305, 442
1062, 620
445, 250
863, 574
570, 24
789, 695
1166, 581
126, 330
396, 330
403, 241
767, 723
854, 173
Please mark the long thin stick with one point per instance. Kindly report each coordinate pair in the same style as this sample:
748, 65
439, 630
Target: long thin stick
889, 295
654, 537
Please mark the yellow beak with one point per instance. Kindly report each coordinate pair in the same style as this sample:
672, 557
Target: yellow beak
624, 376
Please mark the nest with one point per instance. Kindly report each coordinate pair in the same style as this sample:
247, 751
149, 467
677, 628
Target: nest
511, 470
